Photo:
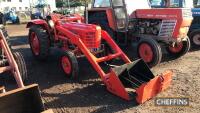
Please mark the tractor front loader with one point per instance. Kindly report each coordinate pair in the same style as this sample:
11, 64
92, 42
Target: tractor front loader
24, 99
11, 61
133, 21
129, 80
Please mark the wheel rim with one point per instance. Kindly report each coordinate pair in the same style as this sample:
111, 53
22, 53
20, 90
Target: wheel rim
66, 65
196, 39
146, 52
177, 48
35, 45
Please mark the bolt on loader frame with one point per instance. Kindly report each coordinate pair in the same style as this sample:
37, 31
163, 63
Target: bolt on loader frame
24, 99
130, 21
11, 61
129, 80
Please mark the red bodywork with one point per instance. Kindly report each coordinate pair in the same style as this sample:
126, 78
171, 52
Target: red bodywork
175, 14
109, 14
163, 14
87, 36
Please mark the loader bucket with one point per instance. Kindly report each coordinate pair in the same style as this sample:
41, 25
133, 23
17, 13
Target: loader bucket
22, 100
135, 80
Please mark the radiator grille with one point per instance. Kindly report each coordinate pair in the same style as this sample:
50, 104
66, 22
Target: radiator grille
92, 40
167, 28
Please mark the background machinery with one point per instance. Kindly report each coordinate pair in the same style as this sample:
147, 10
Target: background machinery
40, 10
125, 79
194, 31
11, 16
134, 20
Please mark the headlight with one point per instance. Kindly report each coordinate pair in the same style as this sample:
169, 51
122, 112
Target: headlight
183, 30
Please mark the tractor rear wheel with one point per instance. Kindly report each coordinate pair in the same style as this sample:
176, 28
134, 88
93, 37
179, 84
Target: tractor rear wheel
21, 65
179, 49
39, 42
195, 38
69, 64
150, 51
5, 33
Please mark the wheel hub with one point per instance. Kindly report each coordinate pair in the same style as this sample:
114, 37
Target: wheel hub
66, 65
35, 44
146, 52
196, 39
177, 48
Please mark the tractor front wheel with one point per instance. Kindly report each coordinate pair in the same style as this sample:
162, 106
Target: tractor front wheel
195, 38
21, 65
39, 42
179, 49
150, 51
69, 64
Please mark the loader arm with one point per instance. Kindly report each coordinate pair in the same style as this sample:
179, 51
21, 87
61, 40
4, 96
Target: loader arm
132, 75
13, 67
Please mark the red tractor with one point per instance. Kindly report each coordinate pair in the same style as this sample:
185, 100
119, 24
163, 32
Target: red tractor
126, 80
129, 21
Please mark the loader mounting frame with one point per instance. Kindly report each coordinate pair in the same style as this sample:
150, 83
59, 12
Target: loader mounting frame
120, 78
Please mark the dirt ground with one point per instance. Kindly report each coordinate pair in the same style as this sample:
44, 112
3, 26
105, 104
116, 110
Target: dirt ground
87, 94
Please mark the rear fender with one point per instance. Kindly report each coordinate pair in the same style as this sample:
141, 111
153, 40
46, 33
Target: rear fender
40, 22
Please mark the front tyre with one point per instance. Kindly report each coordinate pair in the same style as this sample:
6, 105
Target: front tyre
179, 49
69, 64
195, 38
150, 51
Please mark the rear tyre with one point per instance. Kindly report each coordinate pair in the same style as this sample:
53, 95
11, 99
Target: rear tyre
179, 49
39, 42
5, 33
195, 38
69, 64
21, 65
150, 51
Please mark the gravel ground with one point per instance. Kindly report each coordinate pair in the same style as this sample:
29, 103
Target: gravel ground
87, 94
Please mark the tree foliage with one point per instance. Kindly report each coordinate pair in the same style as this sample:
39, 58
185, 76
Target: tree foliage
73, 3
195, 3
60, 4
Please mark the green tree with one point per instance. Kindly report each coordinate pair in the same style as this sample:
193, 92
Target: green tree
60, 4
195, 3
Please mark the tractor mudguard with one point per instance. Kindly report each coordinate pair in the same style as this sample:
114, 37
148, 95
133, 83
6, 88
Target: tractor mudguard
40, 22
135, 80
